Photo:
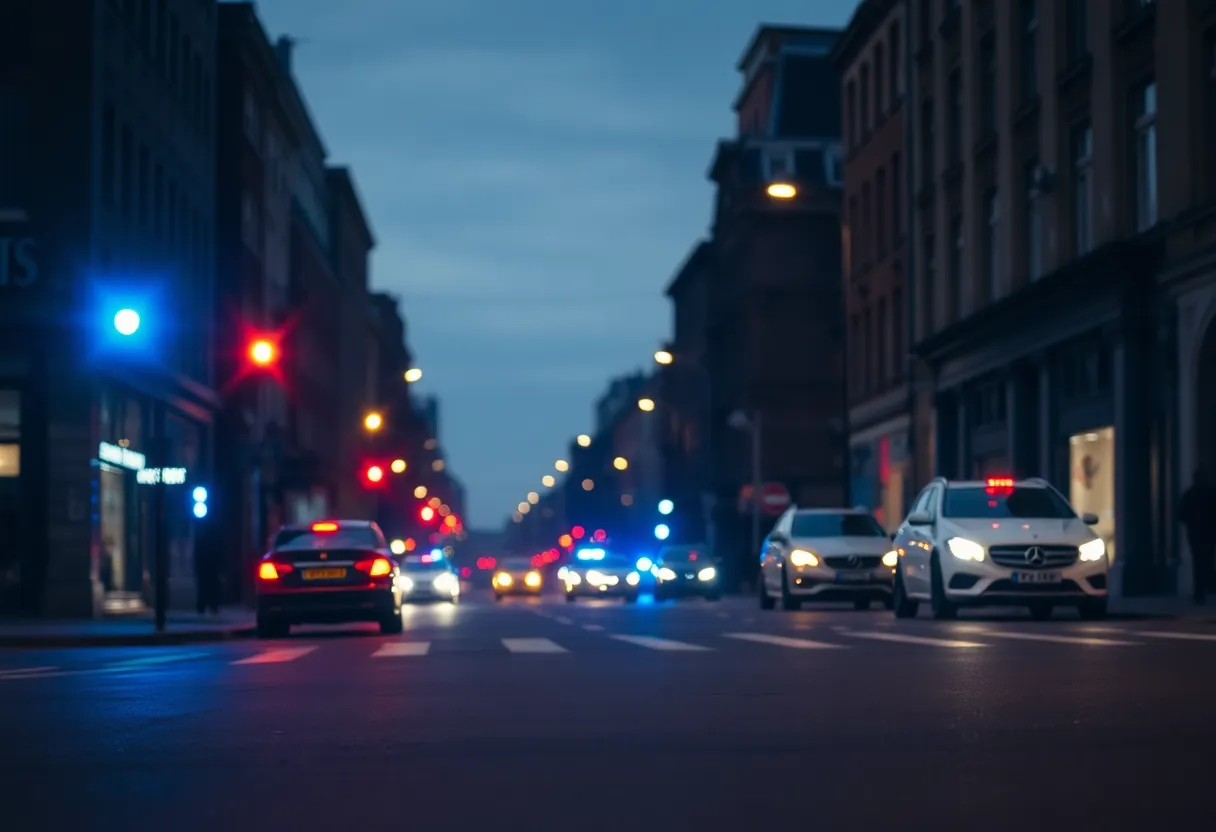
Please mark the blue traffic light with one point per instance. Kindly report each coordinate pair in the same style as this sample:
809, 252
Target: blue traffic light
199, 495
126, 322
661, 531
666, 507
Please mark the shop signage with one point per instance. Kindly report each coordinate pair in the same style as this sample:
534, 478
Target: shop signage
168, 476
18, 267
118, 455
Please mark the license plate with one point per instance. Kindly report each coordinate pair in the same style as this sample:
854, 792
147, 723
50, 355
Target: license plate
323, 574
1036, 577
852, 577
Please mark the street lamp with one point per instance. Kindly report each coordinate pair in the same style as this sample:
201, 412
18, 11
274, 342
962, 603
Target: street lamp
646, 404
398, 466
664, 357
548, 481
781, 190
533, 497
562, 465
588, 484
584, 440
620, 463
126, 322
752, 425
413, 374
372, 422
262, 352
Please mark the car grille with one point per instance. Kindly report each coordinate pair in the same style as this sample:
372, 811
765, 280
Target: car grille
853, 562
1054, 557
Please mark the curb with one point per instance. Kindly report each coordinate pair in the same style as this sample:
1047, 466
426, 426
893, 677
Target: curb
129, 639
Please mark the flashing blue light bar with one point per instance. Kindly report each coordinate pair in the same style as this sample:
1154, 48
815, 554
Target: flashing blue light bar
644, 564
662, 531
589, 554
434, 556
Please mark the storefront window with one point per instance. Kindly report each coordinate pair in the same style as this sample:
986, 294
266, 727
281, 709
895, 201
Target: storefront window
10, 433
125, 516
12, 528
1092, 480
183, 451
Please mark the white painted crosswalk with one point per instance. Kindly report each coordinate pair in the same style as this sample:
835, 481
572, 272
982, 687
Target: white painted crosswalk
1052, 638
783, 641
398, 649
532, 645
903, 638
660, 643
277, 656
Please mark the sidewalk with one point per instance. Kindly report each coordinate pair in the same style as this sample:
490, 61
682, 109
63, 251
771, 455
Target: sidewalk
1163, 606
126, 630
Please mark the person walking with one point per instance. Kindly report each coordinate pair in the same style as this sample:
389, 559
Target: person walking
1198, 516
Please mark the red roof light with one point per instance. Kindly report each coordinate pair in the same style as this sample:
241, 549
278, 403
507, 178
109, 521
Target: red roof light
324, 527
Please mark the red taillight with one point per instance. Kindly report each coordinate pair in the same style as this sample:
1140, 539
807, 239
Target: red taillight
324, 527
377, 567
1000, 482
269, 571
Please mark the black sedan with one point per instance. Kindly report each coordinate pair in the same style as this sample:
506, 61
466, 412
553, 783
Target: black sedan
684, 572
596, 572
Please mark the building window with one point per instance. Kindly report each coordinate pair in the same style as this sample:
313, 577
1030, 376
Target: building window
897, 207
897, 333
893, 67
992, 244
109, 154
880, 211
988, 85
955, 275
10, 434
927, 140
867, 225
929, 282
1077, 30
850, 115
881, 351
1029, 16
880, 80
1034, 222
867, 115
127, 159
1146, 156
1083, 186
955, 117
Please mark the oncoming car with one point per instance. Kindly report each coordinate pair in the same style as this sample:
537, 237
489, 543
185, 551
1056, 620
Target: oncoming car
517, 576
685, 571
429, 577
330, 572
596, 572
998, 542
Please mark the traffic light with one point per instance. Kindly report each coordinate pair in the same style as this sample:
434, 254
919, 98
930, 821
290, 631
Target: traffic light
427, 514
373, 476
199, 495
263, 352
666, 507
662, 531
126, 322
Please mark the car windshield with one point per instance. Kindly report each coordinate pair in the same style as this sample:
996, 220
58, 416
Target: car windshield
836, 525
683, 554
418, 565
979, 502
349, 538
609, 561
285, 536
515, 564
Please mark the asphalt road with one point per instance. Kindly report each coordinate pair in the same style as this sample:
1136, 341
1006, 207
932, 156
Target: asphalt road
533, 715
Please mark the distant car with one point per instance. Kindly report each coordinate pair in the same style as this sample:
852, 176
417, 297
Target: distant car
685, 571
329, 572
429, 577
597, 572
826, 555
517, 576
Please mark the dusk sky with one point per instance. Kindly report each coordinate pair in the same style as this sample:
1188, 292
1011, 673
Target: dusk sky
534, 172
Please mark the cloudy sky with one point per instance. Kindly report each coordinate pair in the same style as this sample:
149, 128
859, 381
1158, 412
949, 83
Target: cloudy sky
534, 171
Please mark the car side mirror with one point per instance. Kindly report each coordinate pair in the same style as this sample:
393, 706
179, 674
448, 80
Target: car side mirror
920, 518
1090, 519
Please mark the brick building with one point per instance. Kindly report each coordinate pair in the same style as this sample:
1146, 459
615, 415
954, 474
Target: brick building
871, 60
1064, 191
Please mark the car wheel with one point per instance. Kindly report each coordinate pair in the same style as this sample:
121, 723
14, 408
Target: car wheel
1093, 610
901, 604
861, 604
1041, 610
788, 600
393, 625
943, 610
767, 602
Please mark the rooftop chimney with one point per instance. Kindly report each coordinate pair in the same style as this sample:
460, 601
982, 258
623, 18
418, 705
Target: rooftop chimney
282, 48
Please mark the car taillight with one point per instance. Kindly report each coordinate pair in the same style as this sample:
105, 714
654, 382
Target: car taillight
269, 571
377, 567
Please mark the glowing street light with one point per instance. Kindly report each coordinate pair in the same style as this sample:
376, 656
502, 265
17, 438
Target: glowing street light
666, 507
584, 440
664, 357
562, 465
548, 481
588, 484
646, 404
438, 465
420, 492
523, 508
782, 190
533, 497
126, 322
413, 374
373, 421
262, 352
398, 466
662, 531
620, 463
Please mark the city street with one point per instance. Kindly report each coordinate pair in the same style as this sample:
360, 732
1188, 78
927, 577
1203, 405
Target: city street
544, 715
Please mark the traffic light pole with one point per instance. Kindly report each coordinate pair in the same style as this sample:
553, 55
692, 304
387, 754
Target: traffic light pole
159, 548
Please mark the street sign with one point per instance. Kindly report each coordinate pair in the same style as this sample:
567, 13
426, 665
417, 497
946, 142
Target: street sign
774, 498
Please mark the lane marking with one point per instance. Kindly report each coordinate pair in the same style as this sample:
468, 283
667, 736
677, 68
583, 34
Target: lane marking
532, 645
146, 661
561, 619
277, 656
660, 643
783, 641
396, 649
1179, 636
595, 628
1055, 639
903, 639
25, 671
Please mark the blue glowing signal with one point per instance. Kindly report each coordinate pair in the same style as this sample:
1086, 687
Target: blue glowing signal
644, 564
666, 507
199, 495
662, 531
590, 554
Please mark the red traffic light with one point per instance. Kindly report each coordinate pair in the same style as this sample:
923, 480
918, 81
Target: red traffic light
263, 352
427, 514
374, 474
577, 532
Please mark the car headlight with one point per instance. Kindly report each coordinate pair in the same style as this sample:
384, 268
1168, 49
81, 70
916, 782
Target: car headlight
572, 578
561, 573
532, 580
633, 578
644, 564
594, 577
406, 584
665, 574
1093, 550
446, 582
801, 557
707, 574
965, 549
891, 559
503, 579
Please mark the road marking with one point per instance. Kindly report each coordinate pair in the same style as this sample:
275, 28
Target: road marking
1055, 639
659, 643
146, 661
1179, 636
595, 628
782, 641
902, 639
25, 671
395, 649
561, 619
283, 654
532, 645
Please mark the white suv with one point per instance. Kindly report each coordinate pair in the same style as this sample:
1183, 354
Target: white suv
998, 542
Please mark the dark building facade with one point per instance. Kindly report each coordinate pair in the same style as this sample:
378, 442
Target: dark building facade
776, 320
1064, 244
108, 109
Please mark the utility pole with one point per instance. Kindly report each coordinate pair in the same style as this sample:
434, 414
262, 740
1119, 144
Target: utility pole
159, 547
